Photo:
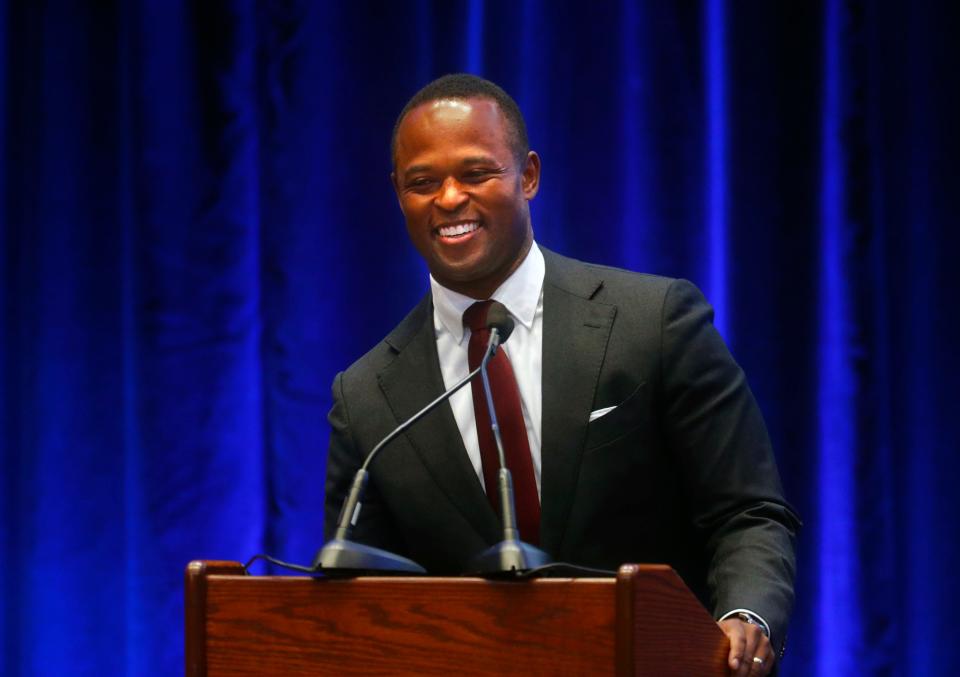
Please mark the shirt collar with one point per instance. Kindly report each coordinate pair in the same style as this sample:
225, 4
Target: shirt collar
520, 293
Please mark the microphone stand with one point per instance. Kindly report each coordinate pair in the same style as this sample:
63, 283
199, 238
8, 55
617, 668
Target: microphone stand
511, 555
344, 556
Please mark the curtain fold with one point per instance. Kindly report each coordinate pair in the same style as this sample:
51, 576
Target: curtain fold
198, 230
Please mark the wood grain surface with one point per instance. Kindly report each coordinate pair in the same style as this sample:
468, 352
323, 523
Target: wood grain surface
662, 629
281, 625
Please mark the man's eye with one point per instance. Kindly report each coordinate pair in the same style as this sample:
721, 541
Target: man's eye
477, 175
420, 183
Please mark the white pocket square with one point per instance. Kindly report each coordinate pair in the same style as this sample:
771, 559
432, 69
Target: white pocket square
594, 415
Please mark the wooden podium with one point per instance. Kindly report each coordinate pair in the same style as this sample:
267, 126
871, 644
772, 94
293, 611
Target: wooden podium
644, 622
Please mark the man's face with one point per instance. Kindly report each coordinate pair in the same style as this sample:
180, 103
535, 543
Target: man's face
462, 193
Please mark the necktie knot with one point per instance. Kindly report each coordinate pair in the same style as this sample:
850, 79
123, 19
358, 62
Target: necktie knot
475, 317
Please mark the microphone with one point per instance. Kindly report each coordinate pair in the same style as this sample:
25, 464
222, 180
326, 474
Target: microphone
511, 555
499, 319
341, 555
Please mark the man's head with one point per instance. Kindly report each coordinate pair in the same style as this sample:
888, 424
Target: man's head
466, 86
463, 176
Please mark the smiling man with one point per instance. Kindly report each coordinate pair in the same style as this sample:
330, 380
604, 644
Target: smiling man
464, 179
630, 430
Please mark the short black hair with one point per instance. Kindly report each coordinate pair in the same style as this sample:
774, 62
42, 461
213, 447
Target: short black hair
466, 86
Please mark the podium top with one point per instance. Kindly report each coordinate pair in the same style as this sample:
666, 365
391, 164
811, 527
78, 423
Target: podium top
644, 622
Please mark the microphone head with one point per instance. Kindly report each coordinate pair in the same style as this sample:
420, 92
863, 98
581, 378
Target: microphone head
498, 318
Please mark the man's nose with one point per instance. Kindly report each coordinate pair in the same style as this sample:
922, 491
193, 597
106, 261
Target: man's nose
451, 196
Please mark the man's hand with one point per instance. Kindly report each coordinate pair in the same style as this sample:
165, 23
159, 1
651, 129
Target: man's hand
747, 642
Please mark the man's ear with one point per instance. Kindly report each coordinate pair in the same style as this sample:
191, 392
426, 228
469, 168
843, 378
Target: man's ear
530, 178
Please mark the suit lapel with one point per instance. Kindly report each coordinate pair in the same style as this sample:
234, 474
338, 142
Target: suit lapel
575, 334
409, 383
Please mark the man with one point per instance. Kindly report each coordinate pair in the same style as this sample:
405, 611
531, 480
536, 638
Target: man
640, 439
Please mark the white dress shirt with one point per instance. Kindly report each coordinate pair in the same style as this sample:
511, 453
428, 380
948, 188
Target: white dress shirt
522, 294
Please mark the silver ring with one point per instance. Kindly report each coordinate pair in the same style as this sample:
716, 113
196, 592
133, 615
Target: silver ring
758, 661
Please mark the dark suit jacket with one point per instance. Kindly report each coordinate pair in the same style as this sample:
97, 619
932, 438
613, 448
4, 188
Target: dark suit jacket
681, 472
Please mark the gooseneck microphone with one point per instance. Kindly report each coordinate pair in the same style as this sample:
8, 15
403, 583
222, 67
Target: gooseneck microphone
343, 556
511, 555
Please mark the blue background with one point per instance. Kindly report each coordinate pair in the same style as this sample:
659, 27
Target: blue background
198, 232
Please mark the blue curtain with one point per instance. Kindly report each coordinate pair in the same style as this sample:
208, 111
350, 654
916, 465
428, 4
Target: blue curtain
198, 231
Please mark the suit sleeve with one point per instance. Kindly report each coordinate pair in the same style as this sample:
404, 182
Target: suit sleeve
729, 472
344, 459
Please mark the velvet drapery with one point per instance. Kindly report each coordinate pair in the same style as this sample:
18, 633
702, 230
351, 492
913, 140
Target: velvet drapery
198, 231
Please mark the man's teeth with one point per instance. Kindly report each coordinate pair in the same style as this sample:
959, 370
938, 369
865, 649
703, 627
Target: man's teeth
458, 229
